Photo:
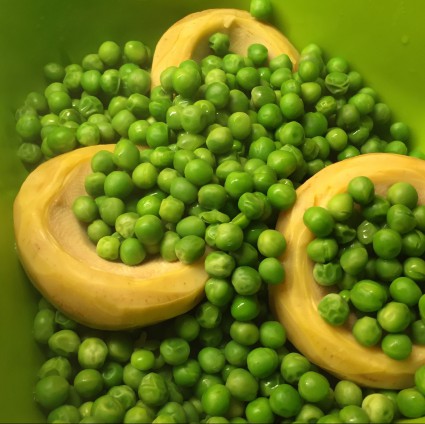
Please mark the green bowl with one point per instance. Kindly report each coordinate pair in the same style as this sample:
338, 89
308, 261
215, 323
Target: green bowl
382, 39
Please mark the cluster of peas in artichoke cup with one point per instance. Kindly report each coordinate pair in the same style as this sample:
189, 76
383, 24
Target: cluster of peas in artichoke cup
209, 159
370, 248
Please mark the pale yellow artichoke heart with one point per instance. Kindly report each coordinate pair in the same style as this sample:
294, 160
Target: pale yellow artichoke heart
295, 301
63, 265
188, 38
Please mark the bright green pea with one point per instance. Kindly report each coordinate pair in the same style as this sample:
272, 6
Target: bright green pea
281, 196
414, 268
319, 221
92, 353
397, 346
285, 401
403, 193
394, 317
411, 403
51, 391
405, 290
149, 229
189, 249
271, 271
368, 296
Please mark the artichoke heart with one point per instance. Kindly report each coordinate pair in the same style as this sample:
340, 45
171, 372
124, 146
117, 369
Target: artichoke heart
63, 265
295, 301
188, 38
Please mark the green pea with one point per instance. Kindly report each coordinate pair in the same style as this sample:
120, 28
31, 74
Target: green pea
285, 401
366, 232
319, 221
149, 229
348, 393
184, 190
208, 315
271, 271
189, 249
92, 353
281, 196
334, 309
387, 243
218, 291
51, 391
394, 317
397, 346
353, 261
414, 268
403, 193
411, 403
405, 290
368, 296
353, 413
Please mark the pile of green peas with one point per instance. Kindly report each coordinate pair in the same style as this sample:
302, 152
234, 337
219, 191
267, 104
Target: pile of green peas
371, 249
85, 103
210, 365
263, 128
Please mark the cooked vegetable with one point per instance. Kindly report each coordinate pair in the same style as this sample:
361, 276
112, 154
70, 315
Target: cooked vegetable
295, 303
62, 262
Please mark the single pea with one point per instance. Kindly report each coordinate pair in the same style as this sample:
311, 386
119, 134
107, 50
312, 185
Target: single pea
397, 346
189, 249
149, 229
341, 206
285, 401
92, 353
353, 261
64, 343
353, 413
171, 209
272, 334
414, 268
313, 387
348, 393
88, 383
244, 333
405, 290
242, 385
259, 411
362, 190
418, 332
281, 196
245, 308
388, 270
271, 243
219, 264
262, 362
333, 309
293, 366
132, 252
413, 243
368, 296
229, 237
322, 250
403, 193
387, 243
327, 274
411, 403
271, 271
108, 247
319, 221
51, 391
400, 218
394, 317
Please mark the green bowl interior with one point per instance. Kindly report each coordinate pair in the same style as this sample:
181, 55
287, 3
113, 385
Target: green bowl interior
381, 39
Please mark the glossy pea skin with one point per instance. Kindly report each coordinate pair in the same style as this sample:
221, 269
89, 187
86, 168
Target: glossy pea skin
313, 387
411, 403
368, 296
285, 401
387, 243
293, 366
394, 317
319, 221
405, 290
403, 193
51, 391
397, 346
367, 331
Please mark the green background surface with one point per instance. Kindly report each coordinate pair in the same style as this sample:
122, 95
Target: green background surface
382, 39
